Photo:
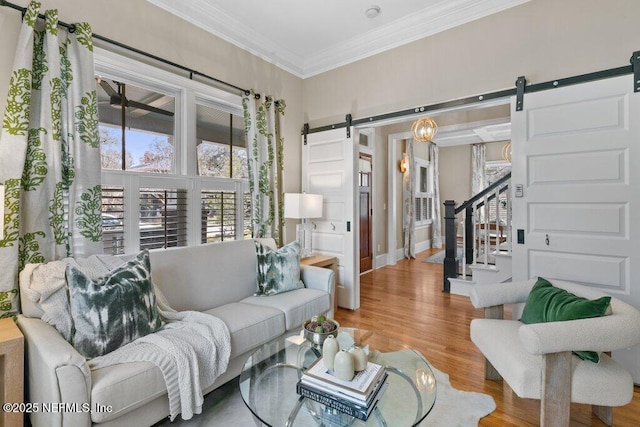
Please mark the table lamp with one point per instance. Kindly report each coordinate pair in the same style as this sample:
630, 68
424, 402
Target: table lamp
303, 206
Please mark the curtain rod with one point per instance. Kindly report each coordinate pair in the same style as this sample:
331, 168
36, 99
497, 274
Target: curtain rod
191, 72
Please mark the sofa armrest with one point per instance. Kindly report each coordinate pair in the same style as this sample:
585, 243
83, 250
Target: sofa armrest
501, 293
317, 278
56, 373
621, 329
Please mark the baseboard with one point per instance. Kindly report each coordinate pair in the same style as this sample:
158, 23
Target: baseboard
423, 246
420, 247
380, 261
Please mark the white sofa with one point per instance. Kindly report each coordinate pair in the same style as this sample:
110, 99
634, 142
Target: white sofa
219, 279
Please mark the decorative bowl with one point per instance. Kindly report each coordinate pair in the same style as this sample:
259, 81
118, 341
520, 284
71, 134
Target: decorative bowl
317, 338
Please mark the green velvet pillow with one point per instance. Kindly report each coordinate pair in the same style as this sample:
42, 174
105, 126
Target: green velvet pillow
112, 310
546, 303
278, 271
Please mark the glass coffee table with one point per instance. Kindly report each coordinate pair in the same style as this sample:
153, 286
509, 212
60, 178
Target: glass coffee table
269, 376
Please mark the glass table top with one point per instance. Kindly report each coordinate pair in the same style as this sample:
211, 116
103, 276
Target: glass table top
269, 377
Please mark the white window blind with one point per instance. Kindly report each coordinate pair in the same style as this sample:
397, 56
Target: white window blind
163, 218
113, 219
218, 216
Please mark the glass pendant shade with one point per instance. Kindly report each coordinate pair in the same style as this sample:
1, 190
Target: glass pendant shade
424, 129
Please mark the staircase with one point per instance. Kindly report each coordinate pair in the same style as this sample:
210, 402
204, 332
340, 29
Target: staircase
485, 239
499, 271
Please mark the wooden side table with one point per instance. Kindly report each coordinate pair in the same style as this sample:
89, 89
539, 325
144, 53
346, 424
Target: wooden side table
12, 369
326, 261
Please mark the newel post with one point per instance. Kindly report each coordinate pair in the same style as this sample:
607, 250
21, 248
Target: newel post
450, 244
468, 231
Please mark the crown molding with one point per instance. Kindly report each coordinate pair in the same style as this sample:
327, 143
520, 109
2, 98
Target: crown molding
205, 15
444, 15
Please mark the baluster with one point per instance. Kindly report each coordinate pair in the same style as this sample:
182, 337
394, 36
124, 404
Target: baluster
487, 234
498, 234
464, 249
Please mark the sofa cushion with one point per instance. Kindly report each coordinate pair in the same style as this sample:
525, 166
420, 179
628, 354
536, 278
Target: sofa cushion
205, 276
125, 387
606, 383
113, 310
546, 303
298, 305
278, 270
249, 325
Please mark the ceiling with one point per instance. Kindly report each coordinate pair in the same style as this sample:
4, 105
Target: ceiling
308, 37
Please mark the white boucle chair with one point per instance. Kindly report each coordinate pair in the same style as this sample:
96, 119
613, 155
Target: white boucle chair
536, 359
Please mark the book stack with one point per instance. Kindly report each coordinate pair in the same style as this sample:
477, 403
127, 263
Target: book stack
356, 398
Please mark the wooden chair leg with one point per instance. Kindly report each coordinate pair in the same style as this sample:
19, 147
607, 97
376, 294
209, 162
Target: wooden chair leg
490, 372
604, 413
555, 402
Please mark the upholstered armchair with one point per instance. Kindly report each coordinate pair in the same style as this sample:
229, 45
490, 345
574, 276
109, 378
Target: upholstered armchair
536, 360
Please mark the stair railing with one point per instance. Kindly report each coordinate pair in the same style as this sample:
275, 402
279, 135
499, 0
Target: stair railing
480, 225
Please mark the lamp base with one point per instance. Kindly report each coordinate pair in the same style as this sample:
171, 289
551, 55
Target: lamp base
304, 236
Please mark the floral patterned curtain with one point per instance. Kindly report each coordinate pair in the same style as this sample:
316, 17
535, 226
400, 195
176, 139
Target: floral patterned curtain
408, 203
436, 229
478, 161
266, 159
49, 152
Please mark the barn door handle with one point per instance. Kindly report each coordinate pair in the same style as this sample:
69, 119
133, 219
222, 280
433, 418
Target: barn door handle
546, 239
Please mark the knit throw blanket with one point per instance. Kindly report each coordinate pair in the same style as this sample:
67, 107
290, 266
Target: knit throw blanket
191, 350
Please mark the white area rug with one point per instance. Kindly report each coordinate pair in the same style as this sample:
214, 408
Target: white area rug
454, 408
438, 257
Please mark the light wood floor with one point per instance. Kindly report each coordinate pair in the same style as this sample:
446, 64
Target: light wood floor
405, 302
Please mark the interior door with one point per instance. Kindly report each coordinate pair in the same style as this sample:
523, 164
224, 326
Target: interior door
329, 168
575, 153
365, 212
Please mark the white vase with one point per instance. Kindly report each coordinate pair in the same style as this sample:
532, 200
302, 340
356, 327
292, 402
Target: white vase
343, 366
329, 350
359, 358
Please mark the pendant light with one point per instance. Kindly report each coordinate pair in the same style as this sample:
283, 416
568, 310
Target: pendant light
424, 129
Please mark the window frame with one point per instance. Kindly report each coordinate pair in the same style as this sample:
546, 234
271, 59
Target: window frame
422, 195
187, 93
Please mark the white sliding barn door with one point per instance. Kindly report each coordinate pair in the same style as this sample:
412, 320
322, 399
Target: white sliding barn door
576, 153
329, 168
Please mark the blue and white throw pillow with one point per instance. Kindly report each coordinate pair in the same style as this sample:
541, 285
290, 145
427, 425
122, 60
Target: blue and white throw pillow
278, 271
112, 310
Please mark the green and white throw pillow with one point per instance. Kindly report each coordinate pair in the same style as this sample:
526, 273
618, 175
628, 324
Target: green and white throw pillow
112, 310
278, 271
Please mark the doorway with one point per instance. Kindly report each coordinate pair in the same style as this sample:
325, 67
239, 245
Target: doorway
365, 169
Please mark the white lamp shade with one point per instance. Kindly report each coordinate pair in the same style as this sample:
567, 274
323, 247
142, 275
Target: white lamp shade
302, 205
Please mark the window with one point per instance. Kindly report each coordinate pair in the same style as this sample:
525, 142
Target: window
113, 220
221, 149
163, 218
218, 216
143, 135
423, 197
174, 158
